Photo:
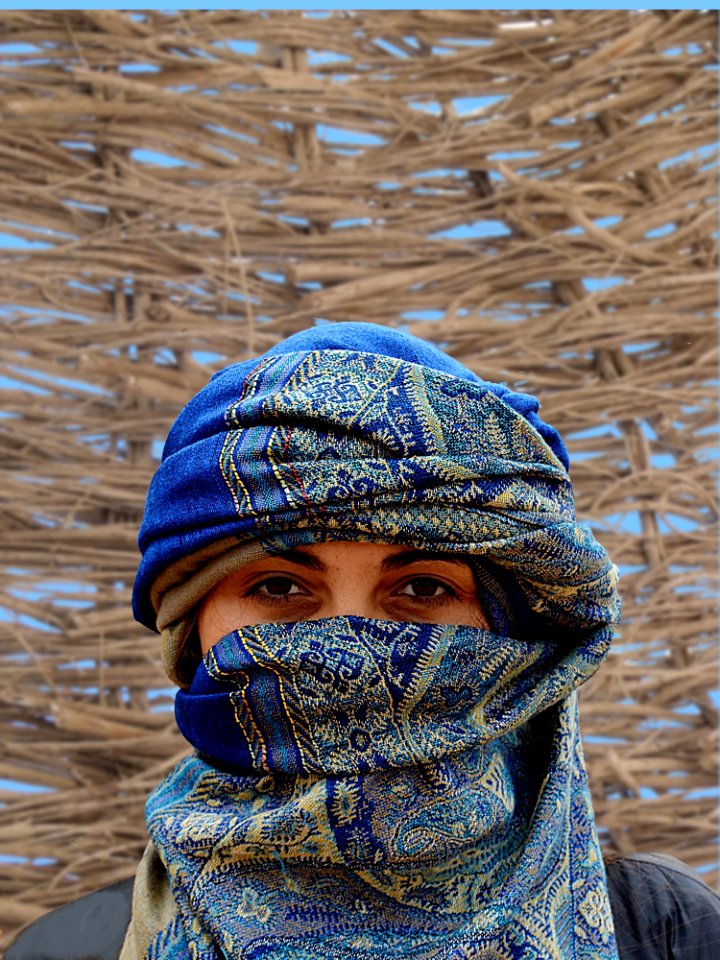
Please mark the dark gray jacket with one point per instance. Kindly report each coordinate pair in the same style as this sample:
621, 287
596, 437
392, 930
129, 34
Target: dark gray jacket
662, 911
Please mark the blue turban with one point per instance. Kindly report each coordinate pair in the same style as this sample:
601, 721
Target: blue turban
225, 438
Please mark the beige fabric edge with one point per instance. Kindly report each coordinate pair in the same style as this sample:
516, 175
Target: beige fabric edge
178, 590
181, 585
172, 641
153, 905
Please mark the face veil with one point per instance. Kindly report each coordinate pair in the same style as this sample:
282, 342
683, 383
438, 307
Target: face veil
365, 788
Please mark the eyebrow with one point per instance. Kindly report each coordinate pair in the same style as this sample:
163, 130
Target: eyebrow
397, 560
407, 557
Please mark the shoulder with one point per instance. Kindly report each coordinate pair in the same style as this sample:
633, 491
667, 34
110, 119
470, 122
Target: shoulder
89, 928
662, 909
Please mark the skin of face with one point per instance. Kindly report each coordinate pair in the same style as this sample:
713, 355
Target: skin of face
342, 578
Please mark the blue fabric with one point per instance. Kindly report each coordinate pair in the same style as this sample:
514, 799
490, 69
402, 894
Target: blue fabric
295, 697
191, 503
372, 338
372, 789
366, 789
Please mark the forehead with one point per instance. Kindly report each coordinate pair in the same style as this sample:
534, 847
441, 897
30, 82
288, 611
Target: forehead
319, 555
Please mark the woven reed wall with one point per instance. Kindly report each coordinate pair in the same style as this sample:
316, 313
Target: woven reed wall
558, 236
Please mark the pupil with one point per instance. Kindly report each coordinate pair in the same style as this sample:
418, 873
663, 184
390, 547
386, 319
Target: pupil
278, 586
424, 587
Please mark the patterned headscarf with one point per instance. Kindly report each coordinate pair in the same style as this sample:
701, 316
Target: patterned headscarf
365, 788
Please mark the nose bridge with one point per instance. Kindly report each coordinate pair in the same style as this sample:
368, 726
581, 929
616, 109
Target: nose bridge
350, 593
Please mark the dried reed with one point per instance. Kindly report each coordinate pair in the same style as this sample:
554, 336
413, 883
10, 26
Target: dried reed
558, 237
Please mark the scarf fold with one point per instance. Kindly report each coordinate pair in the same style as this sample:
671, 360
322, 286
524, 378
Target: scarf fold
372, 789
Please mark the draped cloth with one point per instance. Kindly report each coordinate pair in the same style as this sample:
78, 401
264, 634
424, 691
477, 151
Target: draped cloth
364, 788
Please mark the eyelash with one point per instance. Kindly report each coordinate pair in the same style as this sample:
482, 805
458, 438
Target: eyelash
447, 592
268, 598
255, 591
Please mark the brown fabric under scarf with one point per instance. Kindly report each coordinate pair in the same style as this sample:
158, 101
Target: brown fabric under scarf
178, 591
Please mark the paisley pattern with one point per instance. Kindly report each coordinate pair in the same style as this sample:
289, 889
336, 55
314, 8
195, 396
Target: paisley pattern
397, 790
351, 445
341, 445
364, 788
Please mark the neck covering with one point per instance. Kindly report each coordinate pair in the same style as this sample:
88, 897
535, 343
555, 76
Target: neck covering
365, 788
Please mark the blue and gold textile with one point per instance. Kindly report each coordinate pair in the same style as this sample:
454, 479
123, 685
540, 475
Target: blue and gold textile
365, 789
404, 791
356, 425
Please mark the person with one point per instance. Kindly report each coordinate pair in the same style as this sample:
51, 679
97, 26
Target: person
378, 605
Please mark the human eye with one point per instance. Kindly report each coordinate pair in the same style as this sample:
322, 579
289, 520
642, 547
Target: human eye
427, 590
276, 589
